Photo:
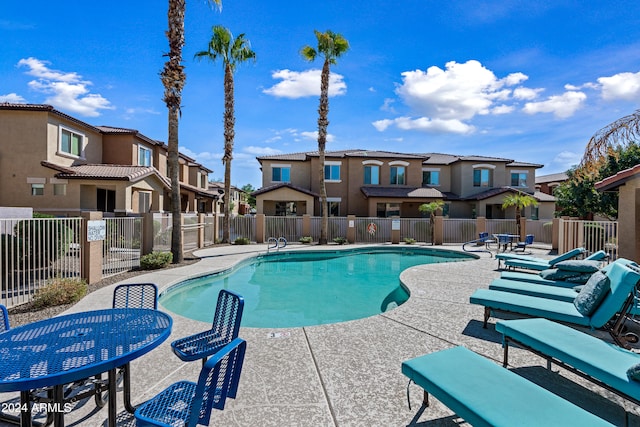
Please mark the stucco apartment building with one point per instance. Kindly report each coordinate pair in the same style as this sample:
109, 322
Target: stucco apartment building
387, 184
57, 164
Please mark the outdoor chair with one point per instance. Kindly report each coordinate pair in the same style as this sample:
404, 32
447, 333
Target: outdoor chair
522, 246
540, 266
547, 263
4, 319
599, 306
188, 404
225, 328
136, 295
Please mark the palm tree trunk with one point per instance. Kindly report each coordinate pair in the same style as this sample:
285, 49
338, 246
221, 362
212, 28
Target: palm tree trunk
229, 134
173, 79
323, 123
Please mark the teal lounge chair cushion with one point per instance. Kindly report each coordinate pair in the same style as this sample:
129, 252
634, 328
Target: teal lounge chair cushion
592, 294
534, 289
564, 275
579, 265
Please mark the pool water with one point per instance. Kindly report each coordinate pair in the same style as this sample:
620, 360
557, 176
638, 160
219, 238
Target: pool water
303, 288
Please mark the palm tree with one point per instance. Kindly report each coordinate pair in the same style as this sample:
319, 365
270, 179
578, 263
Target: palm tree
173, 79
331, 46
430, 209
520, 201
605, 141
232, 52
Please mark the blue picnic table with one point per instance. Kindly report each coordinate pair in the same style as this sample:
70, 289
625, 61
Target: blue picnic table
61, 350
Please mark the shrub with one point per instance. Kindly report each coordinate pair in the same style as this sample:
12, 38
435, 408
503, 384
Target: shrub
340, 240
156, 260
60, 291
306, 239
409, 240
242, 241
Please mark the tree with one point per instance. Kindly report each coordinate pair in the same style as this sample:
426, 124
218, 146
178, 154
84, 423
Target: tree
248, 189
430, 209
173, 79
331, 46
232, 52
520, 201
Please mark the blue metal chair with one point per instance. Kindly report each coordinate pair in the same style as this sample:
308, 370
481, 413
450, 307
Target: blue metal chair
188, 404
225, 328
4, 319
136, 295
522, 246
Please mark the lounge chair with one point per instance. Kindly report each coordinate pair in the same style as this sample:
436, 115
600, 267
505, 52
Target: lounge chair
542, 264
583, 354
522, 246
485, 394
619, 298
549, 262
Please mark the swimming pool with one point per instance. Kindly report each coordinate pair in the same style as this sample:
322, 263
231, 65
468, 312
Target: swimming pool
303, 288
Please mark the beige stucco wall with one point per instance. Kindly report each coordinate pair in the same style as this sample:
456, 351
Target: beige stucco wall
629, 219
265, 203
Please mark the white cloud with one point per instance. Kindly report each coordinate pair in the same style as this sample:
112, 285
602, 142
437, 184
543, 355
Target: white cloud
425, 124
502, 109
12, 98
459, 92
313, 136
567, 159
562, 106
261, 151
301, 84
388, 105
525, 93
65, 90
625, 86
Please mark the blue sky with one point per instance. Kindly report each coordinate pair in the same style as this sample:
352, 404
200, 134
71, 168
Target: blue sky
530, 81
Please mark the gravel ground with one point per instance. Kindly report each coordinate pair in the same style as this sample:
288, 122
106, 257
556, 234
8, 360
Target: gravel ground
25, 313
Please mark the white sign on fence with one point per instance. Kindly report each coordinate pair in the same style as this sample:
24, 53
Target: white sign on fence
96, 230
395, 224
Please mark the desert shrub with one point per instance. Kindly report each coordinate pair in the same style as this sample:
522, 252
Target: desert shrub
241, 241
306, 239
60, 291
340, 240
409, 240
155, 260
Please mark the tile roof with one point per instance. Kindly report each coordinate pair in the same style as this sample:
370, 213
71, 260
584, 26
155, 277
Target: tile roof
284, 185
402, 192
107, 172
618, 179
540, 197
45, 108
109, 130
554, 177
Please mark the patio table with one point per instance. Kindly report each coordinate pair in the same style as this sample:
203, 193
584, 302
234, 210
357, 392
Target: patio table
505, 240
60, 350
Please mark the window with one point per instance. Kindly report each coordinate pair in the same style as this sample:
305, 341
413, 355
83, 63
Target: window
332, 172
37, 189
59, 189
372, 175
430, 178
482, 178
397, 175
280, 174
144, 201
518, 179
386, 210
71, 142
144, 156
334, 208
286, 208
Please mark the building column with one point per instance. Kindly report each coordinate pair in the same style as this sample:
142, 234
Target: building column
92, 249
351, 228
260, 227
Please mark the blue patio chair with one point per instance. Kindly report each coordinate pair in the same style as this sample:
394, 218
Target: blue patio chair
188, 404
225, 328
522, 246
4, 319
136, 295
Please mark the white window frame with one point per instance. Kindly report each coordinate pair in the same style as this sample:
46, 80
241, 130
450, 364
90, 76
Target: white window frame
433, 170
144, 148
330, 164
280, 166
520, 172
82, 136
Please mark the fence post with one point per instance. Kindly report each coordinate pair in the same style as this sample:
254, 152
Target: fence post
351, 228
438, 230
260, 227
481, 225
523, 227
201, 226
306, 225
555, 234
147, 233
92, 251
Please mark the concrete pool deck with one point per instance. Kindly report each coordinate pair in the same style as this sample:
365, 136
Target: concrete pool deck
347, 374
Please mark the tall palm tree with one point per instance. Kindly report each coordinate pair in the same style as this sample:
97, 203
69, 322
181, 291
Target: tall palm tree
232, 52
617, 134
173, 79
331, 46
520, 201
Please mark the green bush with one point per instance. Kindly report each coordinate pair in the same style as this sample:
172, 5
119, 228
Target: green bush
409, 240
306, 239
156, 260
242, 241
340, 240
60, 291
